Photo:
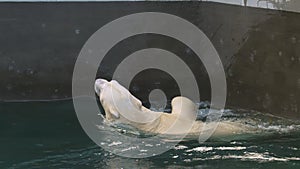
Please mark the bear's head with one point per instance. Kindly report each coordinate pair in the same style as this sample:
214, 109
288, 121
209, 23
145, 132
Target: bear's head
118, 103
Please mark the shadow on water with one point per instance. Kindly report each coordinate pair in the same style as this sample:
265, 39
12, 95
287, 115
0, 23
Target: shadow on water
37, 134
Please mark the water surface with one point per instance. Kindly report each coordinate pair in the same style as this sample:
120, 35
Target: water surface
48, 135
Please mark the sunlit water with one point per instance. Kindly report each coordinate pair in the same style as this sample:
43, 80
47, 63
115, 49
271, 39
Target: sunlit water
48, 135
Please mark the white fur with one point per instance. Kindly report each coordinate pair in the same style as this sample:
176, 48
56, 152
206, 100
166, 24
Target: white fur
122, 107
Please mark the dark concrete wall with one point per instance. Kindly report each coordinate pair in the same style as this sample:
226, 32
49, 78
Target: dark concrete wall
260, 49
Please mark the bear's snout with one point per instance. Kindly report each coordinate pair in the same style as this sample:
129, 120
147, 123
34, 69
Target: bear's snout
99, 84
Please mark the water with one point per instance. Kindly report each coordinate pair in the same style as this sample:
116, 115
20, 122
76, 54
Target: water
48, 135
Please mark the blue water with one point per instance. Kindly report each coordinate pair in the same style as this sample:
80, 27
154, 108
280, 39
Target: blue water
48, 135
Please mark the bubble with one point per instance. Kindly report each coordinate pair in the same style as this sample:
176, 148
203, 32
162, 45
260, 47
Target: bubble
267, 101
77, 31
43, 25
135, 88
10, 68
9, 87
221, 41
29, 71
294, 40
252, 57
188, 50
292, 59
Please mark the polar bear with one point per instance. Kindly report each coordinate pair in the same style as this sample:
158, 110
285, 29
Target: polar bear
122, 107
